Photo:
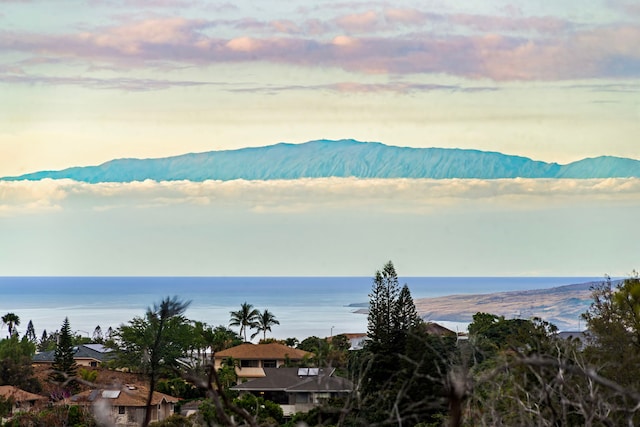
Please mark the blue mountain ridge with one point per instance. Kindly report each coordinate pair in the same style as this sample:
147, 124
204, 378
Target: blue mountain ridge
342, 158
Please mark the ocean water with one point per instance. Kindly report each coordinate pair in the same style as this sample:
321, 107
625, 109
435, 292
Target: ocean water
305, 306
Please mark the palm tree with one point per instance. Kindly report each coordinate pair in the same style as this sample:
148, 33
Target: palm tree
11, 320
246, 317
266, 320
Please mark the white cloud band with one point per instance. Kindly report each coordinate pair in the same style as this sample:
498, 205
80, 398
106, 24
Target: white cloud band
398, 195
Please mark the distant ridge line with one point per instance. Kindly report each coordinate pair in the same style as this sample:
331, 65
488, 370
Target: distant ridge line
339, 158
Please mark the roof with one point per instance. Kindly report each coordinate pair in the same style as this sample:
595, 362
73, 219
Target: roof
18, 395
437, 329
353, 335
83, 351
297, 380
97, 347
262, 351
127, 395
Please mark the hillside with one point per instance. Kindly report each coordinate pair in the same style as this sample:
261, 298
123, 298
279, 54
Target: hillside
344, 158
561, 306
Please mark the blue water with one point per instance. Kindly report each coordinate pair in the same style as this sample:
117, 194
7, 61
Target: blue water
305, 306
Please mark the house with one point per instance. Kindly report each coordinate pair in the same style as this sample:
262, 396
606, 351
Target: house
297, 389
20, 400
252, 359
125, 406
85, 355
356, 340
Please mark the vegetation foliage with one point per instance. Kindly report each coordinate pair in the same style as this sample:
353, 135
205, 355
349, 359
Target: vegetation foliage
508, 372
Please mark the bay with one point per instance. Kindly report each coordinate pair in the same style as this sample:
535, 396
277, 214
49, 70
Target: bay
305, 306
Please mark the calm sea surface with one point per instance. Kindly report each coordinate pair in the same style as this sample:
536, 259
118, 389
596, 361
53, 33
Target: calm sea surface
305, 306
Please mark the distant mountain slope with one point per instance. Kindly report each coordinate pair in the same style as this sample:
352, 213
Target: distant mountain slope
344, 158
561, 306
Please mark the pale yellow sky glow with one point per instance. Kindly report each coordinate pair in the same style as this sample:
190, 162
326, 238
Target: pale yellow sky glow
81, 84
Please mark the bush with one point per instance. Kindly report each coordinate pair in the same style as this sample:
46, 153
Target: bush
175, 420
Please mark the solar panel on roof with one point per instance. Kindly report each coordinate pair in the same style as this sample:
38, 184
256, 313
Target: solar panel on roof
308, 372
110, 394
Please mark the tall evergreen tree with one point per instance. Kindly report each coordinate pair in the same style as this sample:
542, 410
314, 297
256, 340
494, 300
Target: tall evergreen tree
390, 383
43, 341
30, 334
97, 335
64, 366
406, 315
383, 307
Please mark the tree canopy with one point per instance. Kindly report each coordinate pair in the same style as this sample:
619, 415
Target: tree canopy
245, 318
11, 320
64, 365
155, 342
264, 322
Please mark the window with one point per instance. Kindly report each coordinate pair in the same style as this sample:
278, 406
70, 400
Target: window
249, 364
269, 363
121, 410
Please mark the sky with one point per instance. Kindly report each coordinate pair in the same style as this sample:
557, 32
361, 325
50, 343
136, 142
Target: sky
82, 83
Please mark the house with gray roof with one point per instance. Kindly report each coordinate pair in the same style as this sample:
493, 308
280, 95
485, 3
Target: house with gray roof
297, 389
85, 355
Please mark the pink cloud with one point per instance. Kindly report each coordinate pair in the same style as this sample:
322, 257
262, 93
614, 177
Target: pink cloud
135, 38
286, 26
592, 53
361, 22
244, 44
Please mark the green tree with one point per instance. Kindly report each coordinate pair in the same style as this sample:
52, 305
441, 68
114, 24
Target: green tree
153, 343
48, 341
15, 364
382, 309
491, 334
245, 318
31, 333
400, 361
221, 338
97, 335
64, 365
291, 341
264, 322
613, 320
11, 320
405, 313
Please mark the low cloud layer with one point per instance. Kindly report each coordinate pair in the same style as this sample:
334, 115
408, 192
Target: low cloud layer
320, 227
395, 195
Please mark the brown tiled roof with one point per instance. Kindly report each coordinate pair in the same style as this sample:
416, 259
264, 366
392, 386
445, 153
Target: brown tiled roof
262, 351
125, 396
18, 395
